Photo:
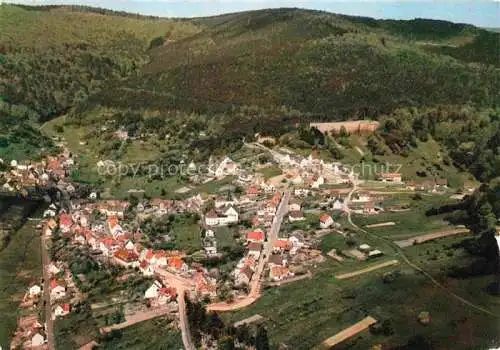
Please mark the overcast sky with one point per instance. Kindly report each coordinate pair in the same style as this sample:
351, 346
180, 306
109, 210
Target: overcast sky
480, 13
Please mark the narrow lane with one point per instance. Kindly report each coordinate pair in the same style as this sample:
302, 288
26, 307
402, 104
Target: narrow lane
49, 323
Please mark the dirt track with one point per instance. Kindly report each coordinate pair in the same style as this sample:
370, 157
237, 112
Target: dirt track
431, 236
349, 332
366, 269
138, 317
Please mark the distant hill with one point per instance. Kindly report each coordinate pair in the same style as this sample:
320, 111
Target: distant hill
314, 62
253, 70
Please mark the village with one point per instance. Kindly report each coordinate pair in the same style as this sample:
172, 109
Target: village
264, 235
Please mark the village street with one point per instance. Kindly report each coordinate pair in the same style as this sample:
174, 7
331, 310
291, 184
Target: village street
255, 283
49, 323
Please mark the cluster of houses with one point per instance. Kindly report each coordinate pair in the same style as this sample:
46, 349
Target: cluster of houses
30, 333
18, 177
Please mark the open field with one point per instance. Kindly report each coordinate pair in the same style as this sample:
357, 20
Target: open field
271, 171
187, 235
158, 333
349, 332
20, 264
411, 222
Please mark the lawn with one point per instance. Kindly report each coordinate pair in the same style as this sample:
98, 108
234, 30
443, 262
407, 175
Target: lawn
187, 235
20, 264
158, 333
271, 171
408, 223
224, 235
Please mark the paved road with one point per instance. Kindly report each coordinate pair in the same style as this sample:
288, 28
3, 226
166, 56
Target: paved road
255, 282
182, 285
49, 323
184, 323
175, 280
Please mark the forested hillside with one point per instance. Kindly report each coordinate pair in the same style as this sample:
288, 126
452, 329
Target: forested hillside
236, 74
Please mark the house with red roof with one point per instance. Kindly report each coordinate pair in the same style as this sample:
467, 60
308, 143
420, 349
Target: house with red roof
57, 289
126, 258
165, 295
280, 273
256, 236
253, 191
107, 245
281, 245
61, 310
65, 222
325, 221
161, 258
176, 264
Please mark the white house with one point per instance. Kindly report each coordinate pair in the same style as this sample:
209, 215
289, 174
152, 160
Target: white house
325, 221
53, 269
61, 310
37, 340
390, 177
153, 291
301, 192
146, 269
338, 205
294, 206
230, 216
318, 182
130, 245
226, 167
35, 290
211, 250
49, 213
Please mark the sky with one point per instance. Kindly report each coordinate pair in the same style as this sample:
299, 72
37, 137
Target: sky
482, 13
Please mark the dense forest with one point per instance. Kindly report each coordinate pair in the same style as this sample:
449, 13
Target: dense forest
259, 71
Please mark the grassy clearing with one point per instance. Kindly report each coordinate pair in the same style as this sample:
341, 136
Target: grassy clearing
408, 223
271, 171
20, 263
224, 236
158, 333
187, 235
